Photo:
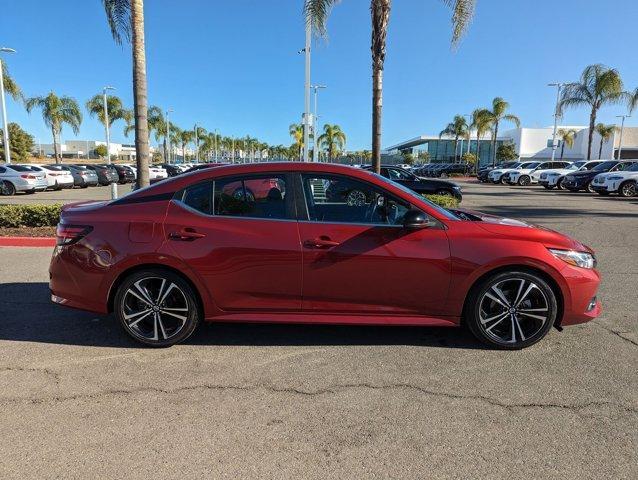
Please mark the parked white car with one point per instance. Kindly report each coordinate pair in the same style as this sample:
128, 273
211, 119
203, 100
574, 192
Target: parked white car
21, 178
621, 182
554, 178
532, 173
157, 173
56, 179
497, 175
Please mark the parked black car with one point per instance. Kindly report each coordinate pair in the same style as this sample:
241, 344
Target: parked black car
105, 174
418, 184
485, 171
581, 180
125, 173
172, 170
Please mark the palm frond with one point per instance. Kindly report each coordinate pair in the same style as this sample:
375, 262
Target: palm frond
118, 15
10, 86
316, 13
462, 15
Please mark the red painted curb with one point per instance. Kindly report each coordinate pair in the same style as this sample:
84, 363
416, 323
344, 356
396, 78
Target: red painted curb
27, 241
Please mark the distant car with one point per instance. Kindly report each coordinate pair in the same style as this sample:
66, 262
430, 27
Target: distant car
498, 175
82, 177
202, 166
420, 185
484, 172
173, 170
105, 175
531, 174
21, 178
156, 173
622, 182
554, 178
582, 180
57, 179
125, 173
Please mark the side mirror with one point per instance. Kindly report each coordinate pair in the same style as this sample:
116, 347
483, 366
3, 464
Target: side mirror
415, 219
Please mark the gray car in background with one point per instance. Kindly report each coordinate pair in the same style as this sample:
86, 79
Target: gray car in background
105, 175
82, 177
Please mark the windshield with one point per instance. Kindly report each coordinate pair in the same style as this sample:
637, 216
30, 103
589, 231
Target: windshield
530, 165
418, 197
603, 167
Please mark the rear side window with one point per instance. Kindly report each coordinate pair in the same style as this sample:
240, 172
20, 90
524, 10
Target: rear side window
262, 196
199, 197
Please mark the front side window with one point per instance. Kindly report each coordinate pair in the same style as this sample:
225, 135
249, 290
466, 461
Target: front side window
340, 199
262, 196
397, 174
199, 197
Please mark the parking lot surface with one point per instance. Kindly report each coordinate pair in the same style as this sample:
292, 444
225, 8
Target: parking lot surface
81, 400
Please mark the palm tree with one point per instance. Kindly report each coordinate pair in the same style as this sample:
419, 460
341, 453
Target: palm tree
199, 133
457, 129
186, 137
567, 137
56, 111
316, 13
605, 132
598, 86
157, 123
174, 138
10, 86
481, 123
633, 100
333, 140
126, 20
115, 108
499, 107
296, 132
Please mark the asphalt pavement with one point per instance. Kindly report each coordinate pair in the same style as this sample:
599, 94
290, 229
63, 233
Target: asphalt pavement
81, 400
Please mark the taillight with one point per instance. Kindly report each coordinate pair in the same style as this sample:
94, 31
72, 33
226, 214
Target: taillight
70, 234
29, 177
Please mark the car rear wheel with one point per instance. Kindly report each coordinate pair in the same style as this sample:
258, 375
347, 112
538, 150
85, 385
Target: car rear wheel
524, 180
559, 184
590, 188
502, 180
7, 188
627, 189
157, 307
511, 310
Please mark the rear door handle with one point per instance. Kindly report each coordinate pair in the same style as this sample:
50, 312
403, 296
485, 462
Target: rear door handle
321, 242
186, 234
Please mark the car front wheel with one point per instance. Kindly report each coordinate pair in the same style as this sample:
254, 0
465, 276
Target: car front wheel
524, 180
627, 189
511, 310
157, 307
7, 188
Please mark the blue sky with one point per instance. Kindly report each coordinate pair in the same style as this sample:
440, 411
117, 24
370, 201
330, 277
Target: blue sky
233, 65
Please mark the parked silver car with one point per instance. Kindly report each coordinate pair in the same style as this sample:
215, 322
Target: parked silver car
82, 177
20, 178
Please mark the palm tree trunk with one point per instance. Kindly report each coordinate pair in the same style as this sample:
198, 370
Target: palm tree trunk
55, 145
140, 94
165, 151
600, 149
592, 124
456, 144
562, 149
478, 144
380, 12
494, 144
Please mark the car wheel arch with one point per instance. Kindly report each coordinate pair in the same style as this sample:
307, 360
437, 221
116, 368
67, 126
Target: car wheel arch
559, 292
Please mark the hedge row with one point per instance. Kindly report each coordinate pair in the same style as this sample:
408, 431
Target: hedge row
12, 216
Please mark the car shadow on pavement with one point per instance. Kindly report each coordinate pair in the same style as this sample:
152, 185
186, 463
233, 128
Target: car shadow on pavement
27, 315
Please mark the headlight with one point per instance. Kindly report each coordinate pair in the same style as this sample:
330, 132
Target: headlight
457, 188
578, 259
614, 178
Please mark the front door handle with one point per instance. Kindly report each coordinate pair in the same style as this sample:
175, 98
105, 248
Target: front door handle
321, 242
186, 234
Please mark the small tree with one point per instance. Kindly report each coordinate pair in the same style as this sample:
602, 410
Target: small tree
20, 143
469, 158
408, 157
506, 151
100, 151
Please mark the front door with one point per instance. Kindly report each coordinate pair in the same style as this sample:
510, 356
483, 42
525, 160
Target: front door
358, 258
240, 236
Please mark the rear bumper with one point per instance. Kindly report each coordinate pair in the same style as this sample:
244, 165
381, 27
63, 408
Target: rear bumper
29, 186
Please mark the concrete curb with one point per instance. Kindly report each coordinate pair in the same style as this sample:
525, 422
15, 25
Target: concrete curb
27, 241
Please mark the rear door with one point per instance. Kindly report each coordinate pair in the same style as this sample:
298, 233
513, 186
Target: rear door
239, 234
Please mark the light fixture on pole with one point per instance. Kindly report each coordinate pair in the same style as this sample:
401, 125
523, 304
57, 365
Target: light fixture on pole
5, 125
315, 146
108, 137
622, 128
168, 136
558, 86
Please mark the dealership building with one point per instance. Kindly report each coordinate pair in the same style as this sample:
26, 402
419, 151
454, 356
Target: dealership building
529, 143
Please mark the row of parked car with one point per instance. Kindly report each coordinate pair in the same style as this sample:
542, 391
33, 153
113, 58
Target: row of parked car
439, 170
595, 176
31, 178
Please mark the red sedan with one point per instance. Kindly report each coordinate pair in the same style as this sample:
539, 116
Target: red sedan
201, 246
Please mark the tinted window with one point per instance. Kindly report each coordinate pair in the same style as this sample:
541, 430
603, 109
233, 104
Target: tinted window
603, 167
20, 168
3, 170
347, 200
398, 174
198, 197
262, 196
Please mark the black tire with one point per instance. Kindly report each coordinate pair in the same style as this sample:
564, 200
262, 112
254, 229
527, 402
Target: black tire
524, 180
150, 283
559, 184
7, 189
502, 180
627, 189
590, 188
489, 330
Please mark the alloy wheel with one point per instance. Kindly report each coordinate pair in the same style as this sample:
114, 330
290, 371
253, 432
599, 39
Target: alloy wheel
590, 188
154, 309
7, 188
524, 181
628, 189
513, 310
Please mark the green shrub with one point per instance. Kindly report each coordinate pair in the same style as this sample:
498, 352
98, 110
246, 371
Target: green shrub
12, 216
445, 201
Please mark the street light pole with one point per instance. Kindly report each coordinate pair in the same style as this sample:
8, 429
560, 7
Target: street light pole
196, 146
108, 138
168, 136
558, 86
306, 116
5, 125
622, 128
315, 147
